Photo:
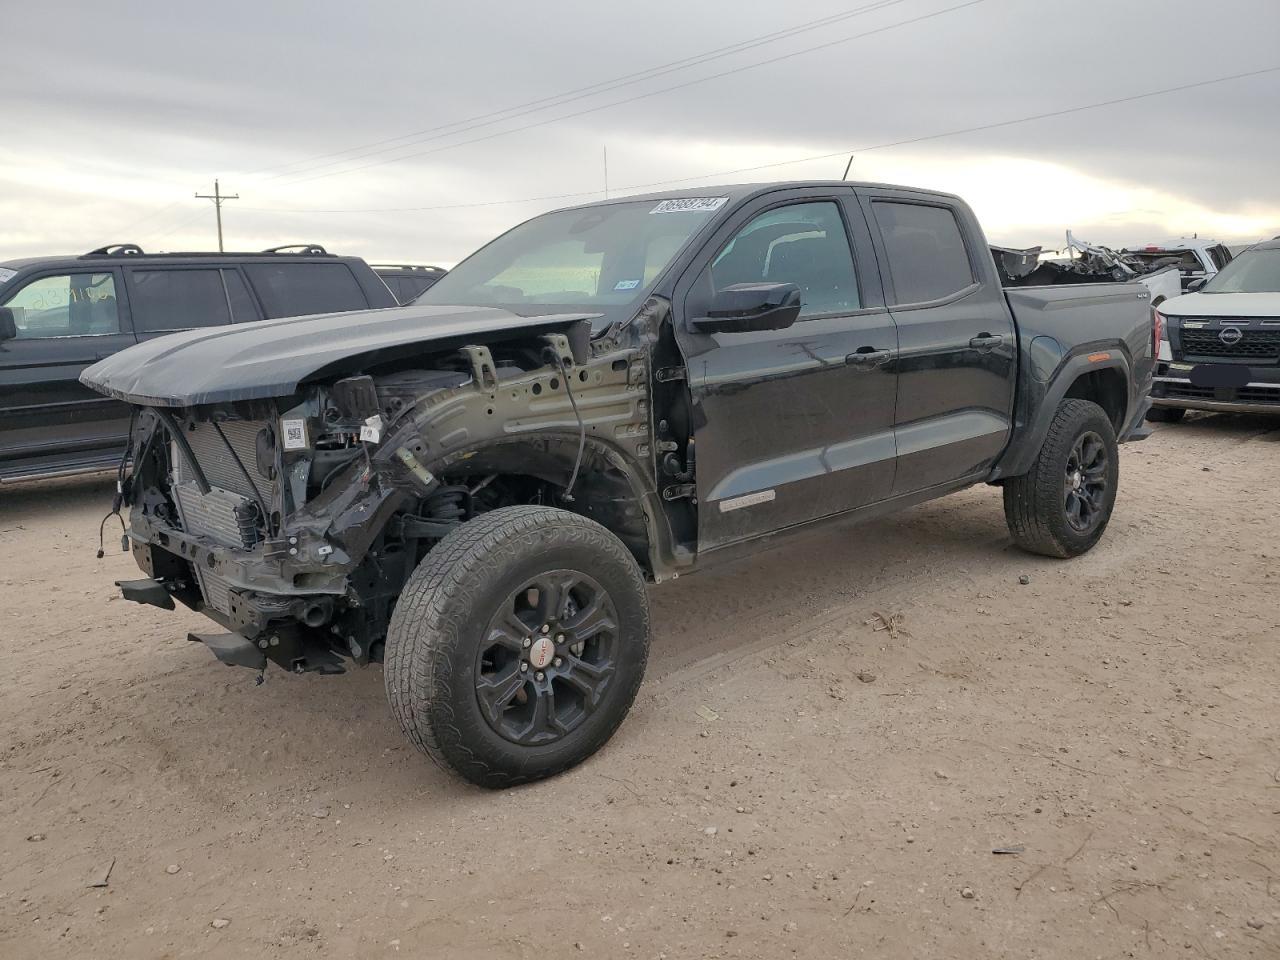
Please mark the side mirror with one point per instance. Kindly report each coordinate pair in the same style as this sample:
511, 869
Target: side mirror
8, 326
751, 307
1196, 284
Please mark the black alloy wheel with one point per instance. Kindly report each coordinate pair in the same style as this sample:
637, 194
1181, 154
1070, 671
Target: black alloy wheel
547, 657
1086, 482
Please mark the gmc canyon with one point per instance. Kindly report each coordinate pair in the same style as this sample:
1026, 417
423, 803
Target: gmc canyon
474, 489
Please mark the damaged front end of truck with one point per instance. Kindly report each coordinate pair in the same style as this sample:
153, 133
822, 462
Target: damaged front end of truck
294, 521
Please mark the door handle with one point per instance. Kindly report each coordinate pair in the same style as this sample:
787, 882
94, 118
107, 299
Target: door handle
985, 341
867, 357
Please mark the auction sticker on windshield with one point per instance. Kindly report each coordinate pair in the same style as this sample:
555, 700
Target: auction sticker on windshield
7, 274
690, 205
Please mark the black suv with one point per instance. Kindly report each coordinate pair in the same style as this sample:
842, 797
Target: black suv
406, 281
58, 315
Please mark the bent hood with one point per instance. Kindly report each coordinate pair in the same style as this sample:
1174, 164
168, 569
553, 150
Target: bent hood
273, 358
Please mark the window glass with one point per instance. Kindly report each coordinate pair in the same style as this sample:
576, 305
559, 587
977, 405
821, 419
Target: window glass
68, 305
565, 271
804, 244
413, 287
1254, 271
242, 306
1221, 256
599, 259
177, 300
1187, 262
927, 256
297, 289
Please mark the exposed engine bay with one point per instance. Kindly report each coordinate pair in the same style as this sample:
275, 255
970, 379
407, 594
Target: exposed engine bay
295, 523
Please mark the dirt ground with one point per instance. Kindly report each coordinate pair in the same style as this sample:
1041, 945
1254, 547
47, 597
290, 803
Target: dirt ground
792, 781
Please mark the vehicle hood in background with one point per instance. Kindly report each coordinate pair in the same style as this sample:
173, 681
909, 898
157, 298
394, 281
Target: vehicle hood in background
1223, 305
273, 358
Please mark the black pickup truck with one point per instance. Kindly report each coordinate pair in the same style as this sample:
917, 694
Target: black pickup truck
474, 489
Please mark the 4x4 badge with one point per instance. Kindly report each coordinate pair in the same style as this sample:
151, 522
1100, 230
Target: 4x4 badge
1231, 335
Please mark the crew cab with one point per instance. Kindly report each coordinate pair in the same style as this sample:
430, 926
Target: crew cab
1220, 344
58, 315
474, 489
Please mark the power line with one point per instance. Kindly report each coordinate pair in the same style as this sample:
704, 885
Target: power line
570, 96
782, 163
643, 96
579, 93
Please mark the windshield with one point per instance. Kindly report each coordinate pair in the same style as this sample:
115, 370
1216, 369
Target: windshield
600, 259
1254, 271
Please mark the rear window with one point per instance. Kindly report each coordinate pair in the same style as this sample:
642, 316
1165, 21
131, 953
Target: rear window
163, 300
1186, 260
927, 255
297, 289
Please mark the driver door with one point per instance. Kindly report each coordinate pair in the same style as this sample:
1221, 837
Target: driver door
796, 424
66, 321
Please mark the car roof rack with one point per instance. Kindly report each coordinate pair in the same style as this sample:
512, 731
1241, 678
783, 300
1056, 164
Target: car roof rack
300, 249
406, 266
116, 250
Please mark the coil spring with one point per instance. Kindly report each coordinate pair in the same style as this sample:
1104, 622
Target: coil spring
448, 503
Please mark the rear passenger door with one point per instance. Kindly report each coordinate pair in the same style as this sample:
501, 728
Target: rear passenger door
167, 299
299, 289
956, 340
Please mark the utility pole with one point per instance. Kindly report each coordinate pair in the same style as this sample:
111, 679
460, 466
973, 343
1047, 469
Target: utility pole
217, 197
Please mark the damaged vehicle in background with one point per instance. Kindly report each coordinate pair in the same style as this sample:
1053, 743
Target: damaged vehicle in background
475, 489
1088, 263
1197, 260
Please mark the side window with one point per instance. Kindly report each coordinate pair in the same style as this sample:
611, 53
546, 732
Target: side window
242, 307
1221, 256
164, 300
68, 305
805, 244
297, 289
927, 256
415, 287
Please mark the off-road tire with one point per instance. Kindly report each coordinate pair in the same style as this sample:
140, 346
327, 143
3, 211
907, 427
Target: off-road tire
1166, 414
437, 626
1034, 504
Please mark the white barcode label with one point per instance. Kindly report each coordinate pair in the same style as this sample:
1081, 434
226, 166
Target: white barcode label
690, 205
295, 434
371, 430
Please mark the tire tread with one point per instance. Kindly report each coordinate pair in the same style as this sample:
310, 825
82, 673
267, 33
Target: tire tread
424, 635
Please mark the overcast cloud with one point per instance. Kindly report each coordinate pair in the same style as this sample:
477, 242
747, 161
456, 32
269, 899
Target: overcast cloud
116, 115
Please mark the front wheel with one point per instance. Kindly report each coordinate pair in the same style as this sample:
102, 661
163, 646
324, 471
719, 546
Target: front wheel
518, 645
1061, 506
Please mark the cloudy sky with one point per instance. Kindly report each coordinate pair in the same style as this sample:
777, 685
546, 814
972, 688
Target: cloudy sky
414, 131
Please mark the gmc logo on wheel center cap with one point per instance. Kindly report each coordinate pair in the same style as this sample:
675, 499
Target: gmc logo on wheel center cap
541, 652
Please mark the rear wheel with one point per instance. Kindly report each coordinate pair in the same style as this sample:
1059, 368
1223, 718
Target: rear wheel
1061, 507
518, 645
1166, 414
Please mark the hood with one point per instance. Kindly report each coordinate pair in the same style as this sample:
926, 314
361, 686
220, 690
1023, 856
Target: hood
1222, 305
273, 358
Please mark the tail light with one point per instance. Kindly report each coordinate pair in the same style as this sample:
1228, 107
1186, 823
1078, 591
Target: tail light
1157, 331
